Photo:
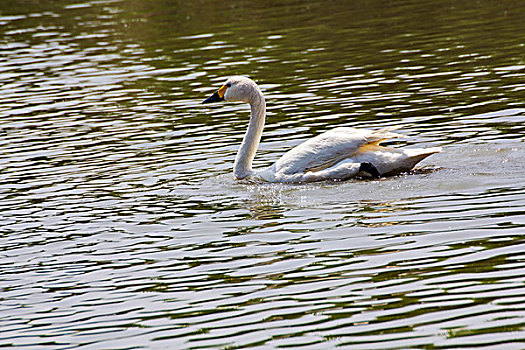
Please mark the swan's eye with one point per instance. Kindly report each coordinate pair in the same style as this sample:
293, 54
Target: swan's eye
229, 85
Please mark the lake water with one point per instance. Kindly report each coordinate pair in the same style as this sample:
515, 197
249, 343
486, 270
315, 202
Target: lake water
121, 226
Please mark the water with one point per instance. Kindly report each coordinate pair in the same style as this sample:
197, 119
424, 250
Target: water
121, 226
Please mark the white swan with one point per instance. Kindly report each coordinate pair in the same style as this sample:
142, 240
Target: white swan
337, 154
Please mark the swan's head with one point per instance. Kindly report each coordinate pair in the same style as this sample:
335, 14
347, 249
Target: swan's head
236, 88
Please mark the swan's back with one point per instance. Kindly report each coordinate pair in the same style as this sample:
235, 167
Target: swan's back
329, 148
325, 156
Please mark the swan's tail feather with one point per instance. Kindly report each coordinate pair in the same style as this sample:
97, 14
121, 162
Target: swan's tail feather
388, 128
408, 160
416, 155
421, 152
378, 136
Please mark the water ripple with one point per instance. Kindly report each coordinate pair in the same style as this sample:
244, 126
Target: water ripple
121, 225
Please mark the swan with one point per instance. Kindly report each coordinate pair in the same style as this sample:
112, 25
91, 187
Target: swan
338, 154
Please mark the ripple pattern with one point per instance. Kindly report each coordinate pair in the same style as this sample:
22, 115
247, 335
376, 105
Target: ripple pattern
120, 224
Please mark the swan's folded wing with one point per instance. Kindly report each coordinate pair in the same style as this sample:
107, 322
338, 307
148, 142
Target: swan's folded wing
328, 149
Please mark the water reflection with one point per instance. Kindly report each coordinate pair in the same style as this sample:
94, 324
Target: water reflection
121, 225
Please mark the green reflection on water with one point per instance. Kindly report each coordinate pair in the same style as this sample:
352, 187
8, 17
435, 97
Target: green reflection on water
321, 63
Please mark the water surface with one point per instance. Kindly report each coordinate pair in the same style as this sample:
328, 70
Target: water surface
121, 226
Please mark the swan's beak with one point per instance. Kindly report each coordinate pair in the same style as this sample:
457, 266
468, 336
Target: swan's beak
213, 98
217, 96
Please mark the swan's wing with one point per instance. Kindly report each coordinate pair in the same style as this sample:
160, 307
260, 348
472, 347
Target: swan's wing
329, 148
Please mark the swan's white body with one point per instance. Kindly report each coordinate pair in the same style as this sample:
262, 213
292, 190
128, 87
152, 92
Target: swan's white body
337, 154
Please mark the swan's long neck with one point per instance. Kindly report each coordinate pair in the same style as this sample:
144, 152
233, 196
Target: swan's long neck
243, 161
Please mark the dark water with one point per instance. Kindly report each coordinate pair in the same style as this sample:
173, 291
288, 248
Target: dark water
121, 226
